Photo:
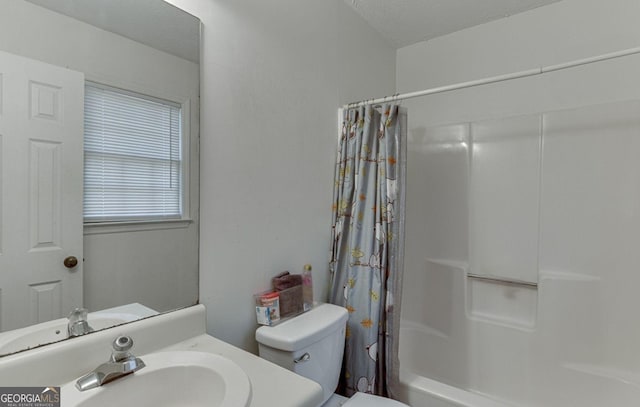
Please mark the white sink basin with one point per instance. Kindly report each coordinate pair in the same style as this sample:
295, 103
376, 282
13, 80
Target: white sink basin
170, 379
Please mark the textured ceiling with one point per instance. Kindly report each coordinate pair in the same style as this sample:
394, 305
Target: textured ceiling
152, 22
405, 22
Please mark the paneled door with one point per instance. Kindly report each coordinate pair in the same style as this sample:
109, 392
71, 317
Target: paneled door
41, 166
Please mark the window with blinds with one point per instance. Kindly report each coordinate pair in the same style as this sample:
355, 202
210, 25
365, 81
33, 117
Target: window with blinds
132, 156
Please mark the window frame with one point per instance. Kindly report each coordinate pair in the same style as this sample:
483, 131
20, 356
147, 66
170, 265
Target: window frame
127, 225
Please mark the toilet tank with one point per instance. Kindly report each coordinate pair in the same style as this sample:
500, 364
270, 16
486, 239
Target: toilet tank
311, 344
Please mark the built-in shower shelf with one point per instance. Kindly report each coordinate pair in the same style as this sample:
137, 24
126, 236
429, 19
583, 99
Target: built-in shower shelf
455, 264
503, 280
606, 372
566, 276
508, 302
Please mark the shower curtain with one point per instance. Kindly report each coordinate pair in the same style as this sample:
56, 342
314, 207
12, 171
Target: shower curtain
366, 252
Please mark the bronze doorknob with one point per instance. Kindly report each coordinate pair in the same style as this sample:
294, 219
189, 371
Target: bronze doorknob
70, 262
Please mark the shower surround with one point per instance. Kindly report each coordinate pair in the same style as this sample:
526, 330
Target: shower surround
548, 206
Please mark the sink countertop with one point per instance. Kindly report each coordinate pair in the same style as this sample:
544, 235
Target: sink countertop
271, 384
184, 330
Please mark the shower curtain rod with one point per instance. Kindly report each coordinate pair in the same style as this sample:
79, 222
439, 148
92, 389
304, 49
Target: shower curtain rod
494, 79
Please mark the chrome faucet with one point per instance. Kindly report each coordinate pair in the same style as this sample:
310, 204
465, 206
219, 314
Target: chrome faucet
120, 364
78, 324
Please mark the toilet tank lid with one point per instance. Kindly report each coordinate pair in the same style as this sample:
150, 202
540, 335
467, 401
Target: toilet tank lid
303, 330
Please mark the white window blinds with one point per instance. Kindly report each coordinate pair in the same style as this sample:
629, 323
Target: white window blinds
132, 156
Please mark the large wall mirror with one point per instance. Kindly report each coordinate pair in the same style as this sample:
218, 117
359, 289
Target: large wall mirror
99, 124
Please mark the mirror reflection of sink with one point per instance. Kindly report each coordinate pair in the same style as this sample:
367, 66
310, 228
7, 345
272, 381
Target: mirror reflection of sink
56, 330
171, 379
48, 332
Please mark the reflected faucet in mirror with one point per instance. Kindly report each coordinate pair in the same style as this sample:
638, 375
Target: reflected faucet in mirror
78, 324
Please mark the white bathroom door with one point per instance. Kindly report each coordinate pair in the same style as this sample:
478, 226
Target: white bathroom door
41, 172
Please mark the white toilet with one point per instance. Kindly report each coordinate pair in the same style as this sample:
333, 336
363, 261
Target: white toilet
312, 345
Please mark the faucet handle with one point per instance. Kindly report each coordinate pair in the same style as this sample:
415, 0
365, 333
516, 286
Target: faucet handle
121, 346
122, 343
77, 315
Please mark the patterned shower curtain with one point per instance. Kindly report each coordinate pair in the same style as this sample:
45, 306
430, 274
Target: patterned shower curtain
366, 253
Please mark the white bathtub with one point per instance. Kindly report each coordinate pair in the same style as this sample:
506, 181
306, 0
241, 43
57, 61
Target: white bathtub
418, 390
478, 367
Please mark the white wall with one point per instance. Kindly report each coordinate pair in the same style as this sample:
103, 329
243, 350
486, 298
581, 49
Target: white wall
157, 268
563, 31
273, 75
532, 179
560, 32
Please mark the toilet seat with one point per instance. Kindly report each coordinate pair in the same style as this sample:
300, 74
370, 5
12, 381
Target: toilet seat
369, 400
